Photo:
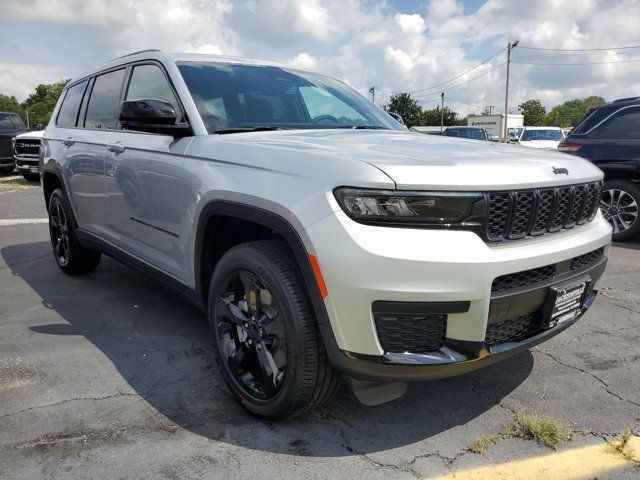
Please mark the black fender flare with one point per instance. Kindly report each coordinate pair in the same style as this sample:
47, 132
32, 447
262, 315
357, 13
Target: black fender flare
274, 222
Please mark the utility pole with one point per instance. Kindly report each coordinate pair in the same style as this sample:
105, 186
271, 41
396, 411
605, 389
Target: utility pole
28, 126
372, 91
442, 113
506, 91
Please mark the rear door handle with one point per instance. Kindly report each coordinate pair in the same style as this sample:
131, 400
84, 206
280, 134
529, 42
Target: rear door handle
116, 147
68, 142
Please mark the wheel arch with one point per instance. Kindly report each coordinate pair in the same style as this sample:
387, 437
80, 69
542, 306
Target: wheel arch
264, 219
51, 179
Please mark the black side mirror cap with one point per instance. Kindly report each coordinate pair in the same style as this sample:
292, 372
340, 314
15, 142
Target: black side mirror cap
152, 115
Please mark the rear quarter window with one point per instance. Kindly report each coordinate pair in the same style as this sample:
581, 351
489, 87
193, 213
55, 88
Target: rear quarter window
624, 124
68, 115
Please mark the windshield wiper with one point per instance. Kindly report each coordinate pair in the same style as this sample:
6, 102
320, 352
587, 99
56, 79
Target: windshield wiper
263, 128
364, 127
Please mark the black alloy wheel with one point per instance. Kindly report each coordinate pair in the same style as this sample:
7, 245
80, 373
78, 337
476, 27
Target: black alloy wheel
250, 335
265, 335
58, 228
70, 255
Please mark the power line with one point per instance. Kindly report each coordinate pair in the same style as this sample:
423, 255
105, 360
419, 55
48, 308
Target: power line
579, 49
470, 80
460, 75
576, 63
467, 104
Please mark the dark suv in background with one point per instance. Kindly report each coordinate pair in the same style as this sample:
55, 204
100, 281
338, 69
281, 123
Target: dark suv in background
609, 136
10, 125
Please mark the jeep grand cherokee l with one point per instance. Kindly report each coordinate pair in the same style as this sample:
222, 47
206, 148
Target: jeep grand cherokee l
320, 236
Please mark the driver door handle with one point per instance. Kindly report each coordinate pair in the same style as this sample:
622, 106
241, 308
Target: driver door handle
116, 147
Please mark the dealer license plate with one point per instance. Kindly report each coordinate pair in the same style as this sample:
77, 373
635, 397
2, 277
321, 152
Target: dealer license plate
567, 302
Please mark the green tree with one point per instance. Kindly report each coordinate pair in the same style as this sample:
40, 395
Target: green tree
534, 112
407, 107
571, 112
41, 103
10, 104
433, 117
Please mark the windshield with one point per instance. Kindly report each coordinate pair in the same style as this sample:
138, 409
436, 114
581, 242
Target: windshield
472, 133
554, 135
232, 96
6, 125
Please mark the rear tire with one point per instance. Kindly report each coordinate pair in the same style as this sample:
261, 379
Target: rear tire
71, 257
261, 280
620, 205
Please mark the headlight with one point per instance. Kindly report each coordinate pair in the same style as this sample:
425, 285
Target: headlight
431, 208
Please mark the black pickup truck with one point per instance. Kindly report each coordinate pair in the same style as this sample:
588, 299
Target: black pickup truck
609, 136
10, 125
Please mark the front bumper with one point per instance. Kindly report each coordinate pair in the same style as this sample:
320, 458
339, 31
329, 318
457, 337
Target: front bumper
26, 164
365, 264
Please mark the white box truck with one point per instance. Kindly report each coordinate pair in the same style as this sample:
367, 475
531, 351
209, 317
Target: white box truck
493, 124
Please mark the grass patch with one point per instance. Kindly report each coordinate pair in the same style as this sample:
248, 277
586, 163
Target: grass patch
621, 442
480, 445
546, 430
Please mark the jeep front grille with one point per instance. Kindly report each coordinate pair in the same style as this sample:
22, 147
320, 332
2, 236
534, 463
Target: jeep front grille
516, 214
27, 147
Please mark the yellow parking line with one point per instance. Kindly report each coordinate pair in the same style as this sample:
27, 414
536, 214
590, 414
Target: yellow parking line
576, 464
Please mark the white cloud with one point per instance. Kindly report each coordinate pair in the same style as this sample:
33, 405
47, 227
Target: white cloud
363, 42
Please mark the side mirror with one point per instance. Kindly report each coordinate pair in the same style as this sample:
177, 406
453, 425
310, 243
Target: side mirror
396, 117
152, 115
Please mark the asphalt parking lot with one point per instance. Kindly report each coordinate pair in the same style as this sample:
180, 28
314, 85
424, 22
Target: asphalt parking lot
109, 375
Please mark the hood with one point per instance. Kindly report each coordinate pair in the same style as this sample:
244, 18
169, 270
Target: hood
541, 144
418, 161
31, 135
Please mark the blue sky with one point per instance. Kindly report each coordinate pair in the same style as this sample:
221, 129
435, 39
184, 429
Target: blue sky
392, 44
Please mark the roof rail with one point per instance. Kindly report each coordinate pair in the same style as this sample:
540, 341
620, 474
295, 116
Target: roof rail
628, 99
135, 53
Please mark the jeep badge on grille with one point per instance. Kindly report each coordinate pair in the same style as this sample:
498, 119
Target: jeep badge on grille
561, 170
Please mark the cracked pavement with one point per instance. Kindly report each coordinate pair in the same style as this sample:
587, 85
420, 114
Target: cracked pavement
109, 375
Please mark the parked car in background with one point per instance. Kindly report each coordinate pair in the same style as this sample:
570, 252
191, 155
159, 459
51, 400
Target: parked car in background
473, 133
514, 134
26, 148
427, 130
10, 125
546, 138
609, 136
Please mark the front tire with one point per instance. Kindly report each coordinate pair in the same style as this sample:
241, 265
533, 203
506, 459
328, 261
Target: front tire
620, 204
71, 257
265, 336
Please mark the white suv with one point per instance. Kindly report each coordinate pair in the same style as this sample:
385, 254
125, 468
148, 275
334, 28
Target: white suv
321, 237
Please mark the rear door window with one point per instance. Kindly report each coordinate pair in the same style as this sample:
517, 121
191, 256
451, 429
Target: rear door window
104, 104
624, 124
68, 114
